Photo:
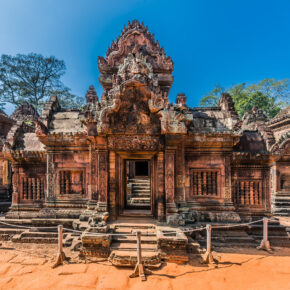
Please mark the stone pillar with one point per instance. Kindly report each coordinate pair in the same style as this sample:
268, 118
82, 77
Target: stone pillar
92, 186
228, 200
16, 185
180, 174
266, 188
6, 173
160, 187
50, 188
112, 184
103, 180
169, 182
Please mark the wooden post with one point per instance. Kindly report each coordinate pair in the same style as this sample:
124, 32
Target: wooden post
265, 244
208, 255
139, 270
60, 255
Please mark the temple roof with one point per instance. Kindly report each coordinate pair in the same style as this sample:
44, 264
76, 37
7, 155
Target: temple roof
30, 142
65, 122
25, 112
281, 116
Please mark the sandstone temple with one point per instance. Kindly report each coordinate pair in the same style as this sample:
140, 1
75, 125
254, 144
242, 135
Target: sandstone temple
133, 153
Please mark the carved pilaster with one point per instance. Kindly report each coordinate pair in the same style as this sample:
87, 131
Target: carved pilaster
6, 172
228, 184
180, 174
112, 172
266, 188
16, 185
169, 181
102, 180
50, 173
160, 186
92, 186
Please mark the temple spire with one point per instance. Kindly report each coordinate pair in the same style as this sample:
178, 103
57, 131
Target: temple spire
91, 95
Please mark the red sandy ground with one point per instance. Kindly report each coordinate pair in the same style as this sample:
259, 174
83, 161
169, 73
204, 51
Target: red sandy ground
29, 267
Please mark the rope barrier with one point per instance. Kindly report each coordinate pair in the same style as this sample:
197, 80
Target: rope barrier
133, 234
237, 225
140, 270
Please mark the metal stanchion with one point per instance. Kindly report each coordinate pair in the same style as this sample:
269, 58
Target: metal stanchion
140, 269
265, 244
60, 255
208, 255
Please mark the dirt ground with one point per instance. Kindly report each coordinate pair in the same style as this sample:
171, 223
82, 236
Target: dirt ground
29, 267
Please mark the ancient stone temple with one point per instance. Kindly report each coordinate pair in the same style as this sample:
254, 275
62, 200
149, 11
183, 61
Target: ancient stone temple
134, 153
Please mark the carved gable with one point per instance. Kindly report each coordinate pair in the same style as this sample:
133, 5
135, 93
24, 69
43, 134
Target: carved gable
136, 76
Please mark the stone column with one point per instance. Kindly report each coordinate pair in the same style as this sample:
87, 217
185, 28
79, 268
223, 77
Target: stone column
16, 185
266, 188
103, 180
6, 178
228, 200
180, 174
160, 187
92, 186
112, 183
50, 188
169, 181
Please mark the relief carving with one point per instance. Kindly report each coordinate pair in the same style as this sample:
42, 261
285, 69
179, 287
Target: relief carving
134, 143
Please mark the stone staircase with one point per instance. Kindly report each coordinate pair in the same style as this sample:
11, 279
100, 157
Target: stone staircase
281, 204
246, 236
277, 233
39, 231
124, 245
141, 192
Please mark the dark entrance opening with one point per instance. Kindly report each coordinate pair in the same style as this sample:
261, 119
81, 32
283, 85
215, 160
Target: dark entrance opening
141, 168
138, 184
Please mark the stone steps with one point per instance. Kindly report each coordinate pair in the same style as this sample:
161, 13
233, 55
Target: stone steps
142, 200
281, 204
36, 237
133, 246
142, 195
141, 192
140, 187
132, 239
279, 241
124, 246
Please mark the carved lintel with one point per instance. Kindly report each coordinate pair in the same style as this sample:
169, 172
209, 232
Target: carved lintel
134, 143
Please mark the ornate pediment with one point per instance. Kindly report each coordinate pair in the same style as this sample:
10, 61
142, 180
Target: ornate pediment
136, 77
135, 40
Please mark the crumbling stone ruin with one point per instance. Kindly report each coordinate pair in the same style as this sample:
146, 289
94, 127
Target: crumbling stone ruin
132, 153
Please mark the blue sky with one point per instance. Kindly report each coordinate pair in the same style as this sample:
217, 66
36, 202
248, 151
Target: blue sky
210, 41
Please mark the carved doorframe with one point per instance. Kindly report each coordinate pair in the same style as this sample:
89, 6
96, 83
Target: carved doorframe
121, 157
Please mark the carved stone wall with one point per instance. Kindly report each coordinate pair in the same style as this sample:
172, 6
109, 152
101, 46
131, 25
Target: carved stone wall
200, 166
251, 187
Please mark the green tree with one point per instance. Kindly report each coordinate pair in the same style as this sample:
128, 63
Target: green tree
269, 94
33, 78
212, 98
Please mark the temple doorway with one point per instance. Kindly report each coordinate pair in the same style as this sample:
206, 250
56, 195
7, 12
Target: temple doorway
138, 184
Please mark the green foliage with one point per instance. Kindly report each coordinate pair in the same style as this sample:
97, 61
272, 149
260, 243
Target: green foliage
270, 95
33, 78
212, 98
